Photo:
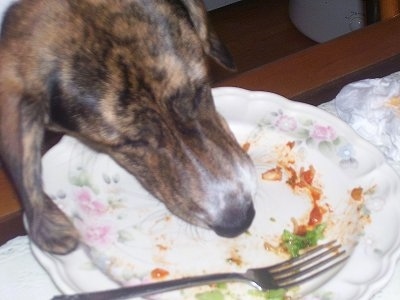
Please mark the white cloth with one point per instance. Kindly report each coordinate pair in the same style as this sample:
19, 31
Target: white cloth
372, 108
21, 277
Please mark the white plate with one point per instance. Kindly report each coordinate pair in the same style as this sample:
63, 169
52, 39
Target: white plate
128, 234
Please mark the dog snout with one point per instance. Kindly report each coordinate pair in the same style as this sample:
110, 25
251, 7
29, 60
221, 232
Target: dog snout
230, 209
227, 186
235, 220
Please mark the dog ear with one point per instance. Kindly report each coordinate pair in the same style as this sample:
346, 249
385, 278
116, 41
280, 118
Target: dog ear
22, 118
211, 43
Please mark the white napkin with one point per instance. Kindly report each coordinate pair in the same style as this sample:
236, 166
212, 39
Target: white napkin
372, 108
21, 277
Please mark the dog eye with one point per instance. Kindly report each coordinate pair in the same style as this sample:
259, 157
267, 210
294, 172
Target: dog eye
198, 97
185, 104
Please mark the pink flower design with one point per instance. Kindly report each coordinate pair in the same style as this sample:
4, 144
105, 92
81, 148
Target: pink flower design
88, 204
323, 133
286, 123
98, 235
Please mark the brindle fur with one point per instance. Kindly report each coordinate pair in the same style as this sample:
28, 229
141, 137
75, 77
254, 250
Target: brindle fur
129, 78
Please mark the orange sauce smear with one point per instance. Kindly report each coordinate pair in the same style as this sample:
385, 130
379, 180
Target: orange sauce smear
303, 180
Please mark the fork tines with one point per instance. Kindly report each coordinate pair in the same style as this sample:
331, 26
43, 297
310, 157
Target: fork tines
313, 263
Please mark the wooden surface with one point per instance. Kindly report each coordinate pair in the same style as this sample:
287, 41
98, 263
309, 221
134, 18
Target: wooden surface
10, 210
389, 8
313, 75
317, 73
256, 32
7, 193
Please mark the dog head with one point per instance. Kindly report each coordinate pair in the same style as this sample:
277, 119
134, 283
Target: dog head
130, 79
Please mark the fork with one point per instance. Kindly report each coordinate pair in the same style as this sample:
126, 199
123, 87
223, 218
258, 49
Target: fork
290, 273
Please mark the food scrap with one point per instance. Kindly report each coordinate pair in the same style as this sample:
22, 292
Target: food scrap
394, 104
274, 174
159, 273
162, 247
357, 193
210, 295
294, 243
278, 294
246, 147
301, 180
235, 258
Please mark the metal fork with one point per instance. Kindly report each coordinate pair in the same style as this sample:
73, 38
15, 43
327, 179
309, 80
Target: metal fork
287, 274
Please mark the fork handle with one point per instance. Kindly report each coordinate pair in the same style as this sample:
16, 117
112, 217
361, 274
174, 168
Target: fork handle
154, 288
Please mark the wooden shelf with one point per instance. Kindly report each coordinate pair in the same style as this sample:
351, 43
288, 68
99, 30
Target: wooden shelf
373, 51
256, 32
10, 211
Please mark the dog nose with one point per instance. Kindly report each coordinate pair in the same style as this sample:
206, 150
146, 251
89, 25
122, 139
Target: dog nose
234, 221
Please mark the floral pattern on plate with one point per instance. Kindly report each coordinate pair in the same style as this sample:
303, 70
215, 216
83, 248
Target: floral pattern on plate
314, 134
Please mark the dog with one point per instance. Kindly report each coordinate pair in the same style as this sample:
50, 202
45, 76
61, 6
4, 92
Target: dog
128, 78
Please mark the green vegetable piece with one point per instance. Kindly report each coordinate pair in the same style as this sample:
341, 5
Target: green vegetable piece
269, 295
221, 285
211, 295
293, 243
